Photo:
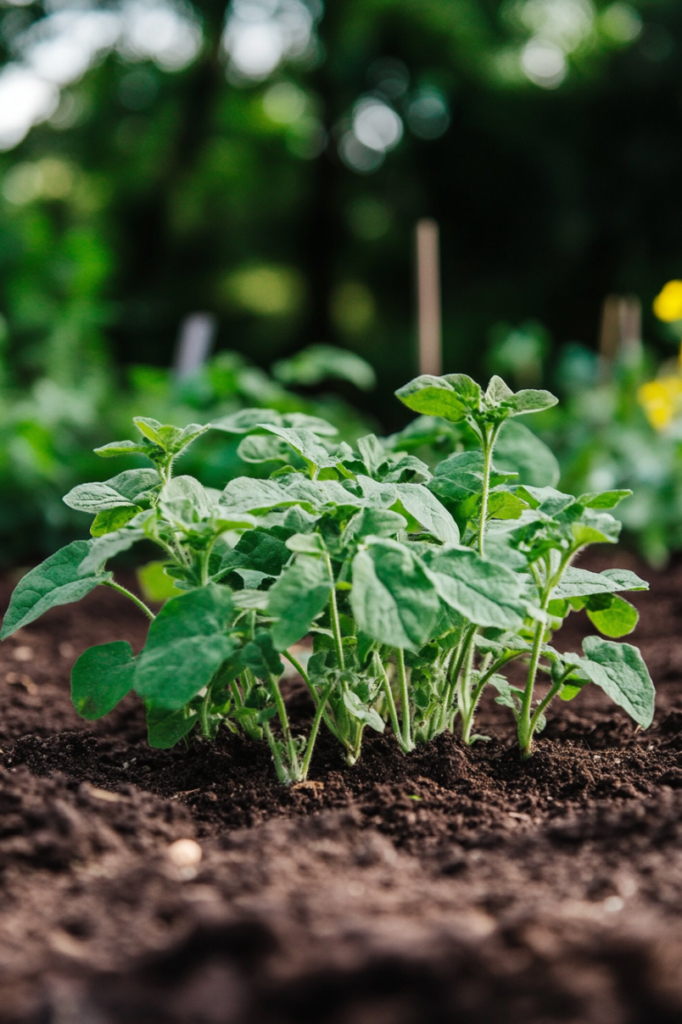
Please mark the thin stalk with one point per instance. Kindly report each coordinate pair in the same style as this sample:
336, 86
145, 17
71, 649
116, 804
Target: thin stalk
282, 774
480, 686
314, 731
284, 722
404, 700
334, 612
392, 710
203, 713
525, 731
464, 648
303, 674
140, 604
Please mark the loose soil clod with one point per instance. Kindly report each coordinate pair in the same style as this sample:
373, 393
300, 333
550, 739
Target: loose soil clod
450, 885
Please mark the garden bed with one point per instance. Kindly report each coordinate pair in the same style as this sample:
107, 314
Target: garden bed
448, 885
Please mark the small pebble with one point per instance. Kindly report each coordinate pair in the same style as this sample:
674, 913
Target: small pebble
23, 653
185, 853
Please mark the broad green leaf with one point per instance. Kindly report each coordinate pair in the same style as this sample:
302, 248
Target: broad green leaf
246, 495
112, 519
519, 450
360, 711
306, 544
547, 500
101, 677
531, 401
393, 598
104, 548
620, 671
258, 550
497, 392
95, 497
505, 505
184, 500
616, 619
582, 582
509, 696
246, 420
306, 444
453, 396
603, 499
373, 453
166, 728
428, 512
264, 448
108, 451
625, 579
151, 429
57, 580
459, 477
320, 362
375, 522
261, 656
156, 584
185, 647
484, 592
297, 598
595, 528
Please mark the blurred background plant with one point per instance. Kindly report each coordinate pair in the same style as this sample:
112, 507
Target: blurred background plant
266, 161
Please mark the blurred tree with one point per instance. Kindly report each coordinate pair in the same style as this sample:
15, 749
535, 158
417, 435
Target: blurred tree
267, 161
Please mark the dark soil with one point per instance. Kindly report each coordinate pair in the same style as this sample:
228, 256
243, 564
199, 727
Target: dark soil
453, 885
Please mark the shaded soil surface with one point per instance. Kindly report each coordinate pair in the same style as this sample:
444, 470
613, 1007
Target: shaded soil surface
452, 885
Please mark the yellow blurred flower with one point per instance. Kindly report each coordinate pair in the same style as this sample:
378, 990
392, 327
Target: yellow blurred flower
661, 400
668, 303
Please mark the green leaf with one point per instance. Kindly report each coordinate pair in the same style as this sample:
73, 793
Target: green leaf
261, 657
531, 401
393, 598
617, 618
375, 522
306, 544
112, 519
185, 647
184, 500
257, 550
360, 711
484, 592
103, 548
373, 453
620, 671
246, 495
108, 451
246, 420
166, 728
603, 499
320, 362
101, 677
428, 512
155, 583
57, 580
297, 598
547, 500
595, 528
264, 448
582, 583
519, 450
453, 396
95, 497
509, 696
505, 505
306, 444
497, 392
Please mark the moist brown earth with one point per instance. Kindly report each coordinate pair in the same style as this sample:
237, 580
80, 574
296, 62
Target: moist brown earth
452, 885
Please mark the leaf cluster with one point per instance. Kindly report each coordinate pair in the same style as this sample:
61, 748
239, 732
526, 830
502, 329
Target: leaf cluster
419, 585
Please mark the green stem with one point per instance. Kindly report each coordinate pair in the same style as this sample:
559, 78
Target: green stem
282, 774
462, 653
480, 686
404, 700
525, 730
549, 696
140, 604
203, 713
334, 612
284, 722
314, 731
488, 436
392, 710
303, 674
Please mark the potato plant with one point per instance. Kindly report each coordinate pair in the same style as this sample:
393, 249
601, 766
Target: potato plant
418, 587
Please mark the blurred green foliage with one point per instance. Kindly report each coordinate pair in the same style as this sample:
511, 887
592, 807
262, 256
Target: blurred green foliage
266, 161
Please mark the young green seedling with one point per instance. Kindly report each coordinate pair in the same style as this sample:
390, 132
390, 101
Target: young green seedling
417, 587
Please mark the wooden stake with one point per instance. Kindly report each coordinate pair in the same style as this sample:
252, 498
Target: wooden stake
428, 297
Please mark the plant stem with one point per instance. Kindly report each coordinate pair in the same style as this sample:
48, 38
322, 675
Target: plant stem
303, 674
284, 722
489, 435
282, 774
525, 729
404, 700
140, 604
462, 652
314, 731
476, 696
549, 696
334, 612
392, 710
203, 713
